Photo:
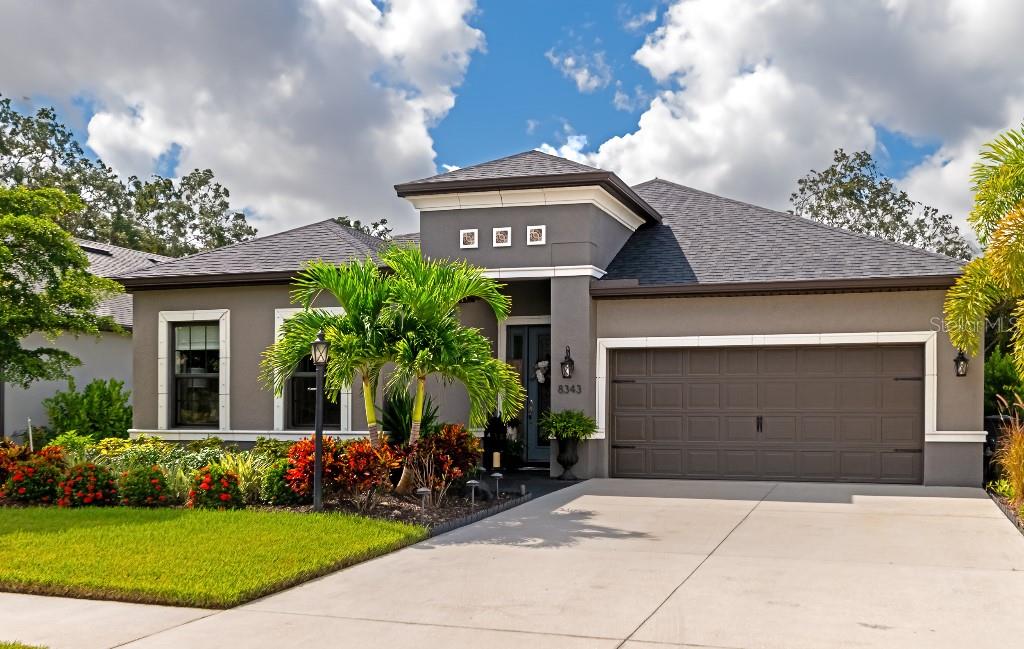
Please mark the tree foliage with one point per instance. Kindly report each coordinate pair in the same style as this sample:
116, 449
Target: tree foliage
379, 229
853, 194
45, 285
995, 280
159, 215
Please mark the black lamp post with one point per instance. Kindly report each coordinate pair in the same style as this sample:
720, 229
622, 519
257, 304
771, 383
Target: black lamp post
318, 352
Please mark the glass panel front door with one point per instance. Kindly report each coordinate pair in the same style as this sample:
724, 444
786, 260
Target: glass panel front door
528, 349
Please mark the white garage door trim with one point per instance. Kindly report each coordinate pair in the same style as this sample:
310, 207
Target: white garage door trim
928, 338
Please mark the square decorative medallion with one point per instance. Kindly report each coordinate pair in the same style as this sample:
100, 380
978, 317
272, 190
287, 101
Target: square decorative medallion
502, 237
536, 235
468, 239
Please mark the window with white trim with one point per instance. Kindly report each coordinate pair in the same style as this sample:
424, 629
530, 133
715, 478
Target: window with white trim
196, 389
302, 400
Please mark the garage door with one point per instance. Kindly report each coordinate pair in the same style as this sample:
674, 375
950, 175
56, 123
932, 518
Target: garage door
843, 413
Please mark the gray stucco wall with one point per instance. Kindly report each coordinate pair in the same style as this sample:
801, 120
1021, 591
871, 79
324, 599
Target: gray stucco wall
959, 400
107, 356
580, 234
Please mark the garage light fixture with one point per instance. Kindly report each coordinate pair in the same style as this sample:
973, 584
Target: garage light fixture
567, 364
960, 363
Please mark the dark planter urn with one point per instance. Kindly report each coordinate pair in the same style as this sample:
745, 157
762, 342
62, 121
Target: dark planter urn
568, 456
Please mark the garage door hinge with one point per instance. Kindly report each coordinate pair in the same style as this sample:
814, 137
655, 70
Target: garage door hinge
621, 446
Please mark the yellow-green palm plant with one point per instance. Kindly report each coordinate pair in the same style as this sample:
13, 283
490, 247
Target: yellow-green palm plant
996, 277
360, 338
423, 307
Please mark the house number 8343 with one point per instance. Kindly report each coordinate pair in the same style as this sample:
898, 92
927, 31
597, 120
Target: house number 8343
570, 388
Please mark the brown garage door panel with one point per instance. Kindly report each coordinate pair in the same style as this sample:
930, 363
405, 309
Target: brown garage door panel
842, 413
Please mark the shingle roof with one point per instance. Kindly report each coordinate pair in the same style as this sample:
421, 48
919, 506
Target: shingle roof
705, 239
107, 260
409, 237
527, 163
282, 253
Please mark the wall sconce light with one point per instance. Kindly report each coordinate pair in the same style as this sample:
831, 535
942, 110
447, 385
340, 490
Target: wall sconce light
960, 363
567, 364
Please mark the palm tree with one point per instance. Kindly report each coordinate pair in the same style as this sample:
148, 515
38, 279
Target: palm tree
360, 338
997, 277
426, 294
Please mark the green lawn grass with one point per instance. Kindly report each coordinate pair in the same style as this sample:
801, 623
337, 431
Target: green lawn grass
212, 559
18, 645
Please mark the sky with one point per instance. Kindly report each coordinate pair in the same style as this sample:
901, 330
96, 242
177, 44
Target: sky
309, 109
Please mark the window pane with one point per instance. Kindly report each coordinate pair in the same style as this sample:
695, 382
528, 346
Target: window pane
196, 402
196, 349
302, 404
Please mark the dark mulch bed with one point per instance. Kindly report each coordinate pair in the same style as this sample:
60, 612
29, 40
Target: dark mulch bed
455, 510
1005, 506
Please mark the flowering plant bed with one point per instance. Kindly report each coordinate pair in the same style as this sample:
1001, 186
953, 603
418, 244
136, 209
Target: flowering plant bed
183, 557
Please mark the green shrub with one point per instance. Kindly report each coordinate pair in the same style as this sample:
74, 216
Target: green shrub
209, 443
567, 424
275, 449
1009, 455
444, 459
274, 488
214, 487
396, 417
32, 482
1001, 380
143, 486
100, 410
72, 443
249, 469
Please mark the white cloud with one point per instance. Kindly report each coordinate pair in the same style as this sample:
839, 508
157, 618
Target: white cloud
531, 126
756, 94
571, 149
627, 102
635, 22
305, 111
589, 72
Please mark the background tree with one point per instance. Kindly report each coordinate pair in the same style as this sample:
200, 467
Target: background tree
157, 215
45, 284
377, 229
853, 194
996, 278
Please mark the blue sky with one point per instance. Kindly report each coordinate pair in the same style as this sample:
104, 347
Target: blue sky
308, 109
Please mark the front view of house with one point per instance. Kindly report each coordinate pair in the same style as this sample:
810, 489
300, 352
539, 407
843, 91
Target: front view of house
709, 338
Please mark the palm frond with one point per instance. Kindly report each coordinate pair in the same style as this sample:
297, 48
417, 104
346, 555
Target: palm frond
967, 303
998, 182
1005, 252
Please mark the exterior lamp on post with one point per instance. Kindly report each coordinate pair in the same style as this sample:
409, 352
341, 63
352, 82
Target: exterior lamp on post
318, 353
960, 363
567, 364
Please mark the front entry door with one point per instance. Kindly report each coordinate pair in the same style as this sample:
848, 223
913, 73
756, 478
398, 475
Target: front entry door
528, 349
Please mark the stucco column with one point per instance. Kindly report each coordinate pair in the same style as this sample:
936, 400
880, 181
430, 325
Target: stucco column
573, 325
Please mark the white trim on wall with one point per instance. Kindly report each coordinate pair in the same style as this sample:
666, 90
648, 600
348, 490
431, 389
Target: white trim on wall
928, 338
163, 379
530, 272
591, 195
344, 398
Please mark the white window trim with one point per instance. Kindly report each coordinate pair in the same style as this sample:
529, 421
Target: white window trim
528, 272
494, 237
590, 195
163, 363
344, 398
543, 235
928, 338
462, 239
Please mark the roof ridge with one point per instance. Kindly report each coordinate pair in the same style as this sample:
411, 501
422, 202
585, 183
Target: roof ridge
800, 219
586, 167
93, 242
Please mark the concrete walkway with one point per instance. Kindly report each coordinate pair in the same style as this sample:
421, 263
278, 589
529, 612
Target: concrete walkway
648, 564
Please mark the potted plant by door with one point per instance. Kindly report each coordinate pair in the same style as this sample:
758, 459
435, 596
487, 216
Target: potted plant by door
568, 427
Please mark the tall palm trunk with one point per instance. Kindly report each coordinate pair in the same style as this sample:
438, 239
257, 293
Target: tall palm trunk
369, 395
405, 483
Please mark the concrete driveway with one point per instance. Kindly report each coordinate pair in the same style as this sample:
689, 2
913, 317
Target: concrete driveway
643, 564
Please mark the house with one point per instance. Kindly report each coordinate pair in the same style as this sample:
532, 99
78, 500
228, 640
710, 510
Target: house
710, 338
107, 356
